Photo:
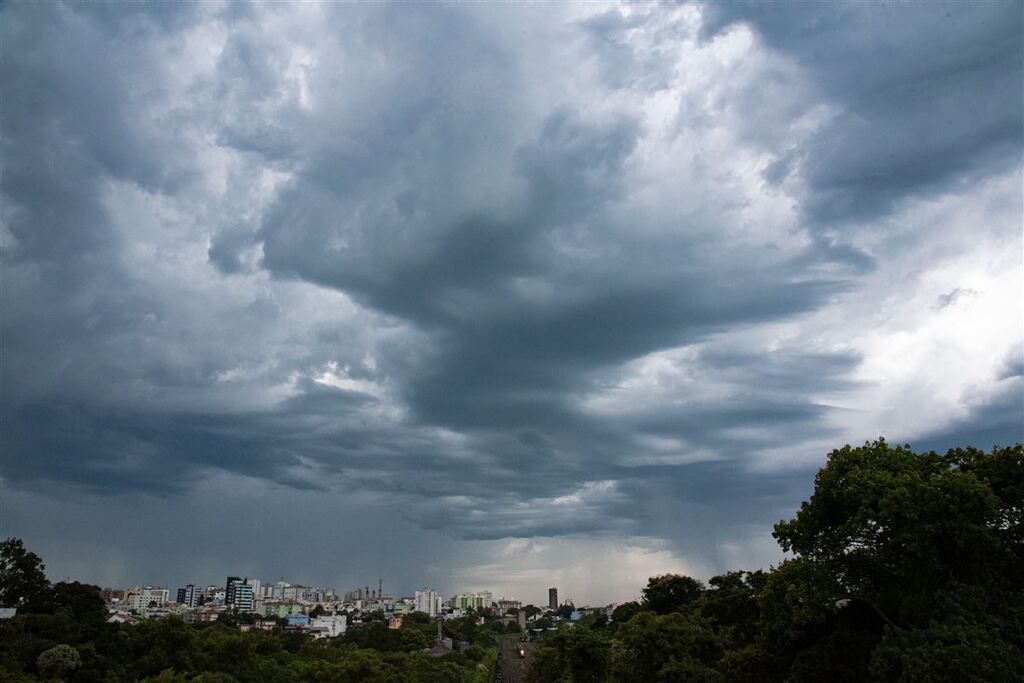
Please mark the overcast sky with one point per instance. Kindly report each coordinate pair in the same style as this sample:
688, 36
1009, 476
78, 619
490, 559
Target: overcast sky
491, 296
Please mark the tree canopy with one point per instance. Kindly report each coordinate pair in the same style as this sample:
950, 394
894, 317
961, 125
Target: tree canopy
902, 566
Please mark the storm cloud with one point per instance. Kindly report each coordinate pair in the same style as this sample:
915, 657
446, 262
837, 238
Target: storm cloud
545, 274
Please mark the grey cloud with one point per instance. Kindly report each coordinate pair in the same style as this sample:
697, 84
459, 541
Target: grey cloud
930, 97
996, 421
468, 257
954, 295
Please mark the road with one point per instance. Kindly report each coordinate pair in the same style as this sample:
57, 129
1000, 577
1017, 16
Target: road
511, 668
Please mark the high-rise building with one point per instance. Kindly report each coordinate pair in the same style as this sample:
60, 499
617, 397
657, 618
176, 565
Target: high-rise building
552, 598
243, 597
428, 601
229, 591
189, 596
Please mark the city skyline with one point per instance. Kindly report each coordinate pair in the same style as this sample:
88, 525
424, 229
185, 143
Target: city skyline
505, 296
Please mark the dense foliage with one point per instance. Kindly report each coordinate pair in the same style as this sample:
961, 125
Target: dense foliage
904, 567
62, 634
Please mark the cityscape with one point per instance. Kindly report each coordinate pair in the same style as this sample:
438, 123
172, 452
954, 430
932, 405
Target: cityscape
323, 612
511, 342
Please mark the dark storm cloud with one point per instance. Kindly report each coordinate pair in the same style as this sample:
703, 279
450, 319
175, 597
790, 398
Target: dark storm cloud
401, 267
930, 95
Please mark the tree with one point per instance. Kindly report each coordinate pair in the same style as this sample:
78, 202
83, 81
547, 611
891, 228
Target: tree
907, 564
671, 647
625, 612
893, 527
317, 611
23, 581
58, 660
670, 592
730, 605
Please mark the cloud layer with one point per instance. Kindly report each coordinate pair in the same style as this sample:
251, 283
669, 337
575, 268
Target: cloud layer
587, 273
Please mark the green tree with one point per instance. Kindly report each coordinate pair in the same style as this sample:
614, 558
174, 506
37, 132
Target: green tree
893, 527
58, 661
670, 592
898, 552
625, 612
730, 606
663, 648
23, 582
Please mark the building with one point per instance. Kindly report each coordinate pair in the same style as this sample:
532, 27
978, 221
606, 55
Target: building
328, 625
142, 599
427, 601
229, 591
299, 619
504, 605
279, 608
474, 601
553, 598
189, 596
243, 598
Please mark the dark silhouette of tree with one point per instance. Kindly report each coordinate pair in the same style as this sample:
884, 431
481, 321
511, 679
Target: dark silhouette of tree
23, 582
670, 592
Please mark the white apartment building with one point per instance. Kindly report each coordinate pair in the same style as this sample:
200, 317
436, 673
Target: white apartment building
140, 598
428, 601
328, 625
244, 597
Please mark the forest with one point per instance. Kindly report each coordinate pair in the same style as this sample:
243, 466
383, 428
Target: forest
901, 566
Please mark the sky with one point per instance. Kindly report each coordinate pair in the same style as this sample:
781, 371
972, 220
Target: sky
491, 296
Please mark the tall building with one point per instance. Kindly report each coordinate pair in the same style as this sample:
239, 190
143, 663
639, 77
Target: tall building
552, 598
229, 591
428, 601
243, 597
189, 596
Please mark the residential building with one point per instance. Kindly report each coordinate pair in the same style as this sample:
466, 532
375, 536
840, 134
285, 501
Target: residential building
476, 601
553, 598
243, 598
229, 590
141, 599
328, 625
279, 608
504, 605
189, 596
299, 619
427, 601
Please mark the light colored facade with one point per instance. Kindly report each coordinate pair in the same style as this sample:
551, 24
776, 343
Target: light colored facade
427, 601
469, 600
243, 597
328, 625
139, 599
279, 608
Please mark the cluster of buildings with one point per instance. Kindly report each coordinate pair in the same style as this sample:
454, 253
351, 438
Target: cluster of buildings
320, 611
323, 613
